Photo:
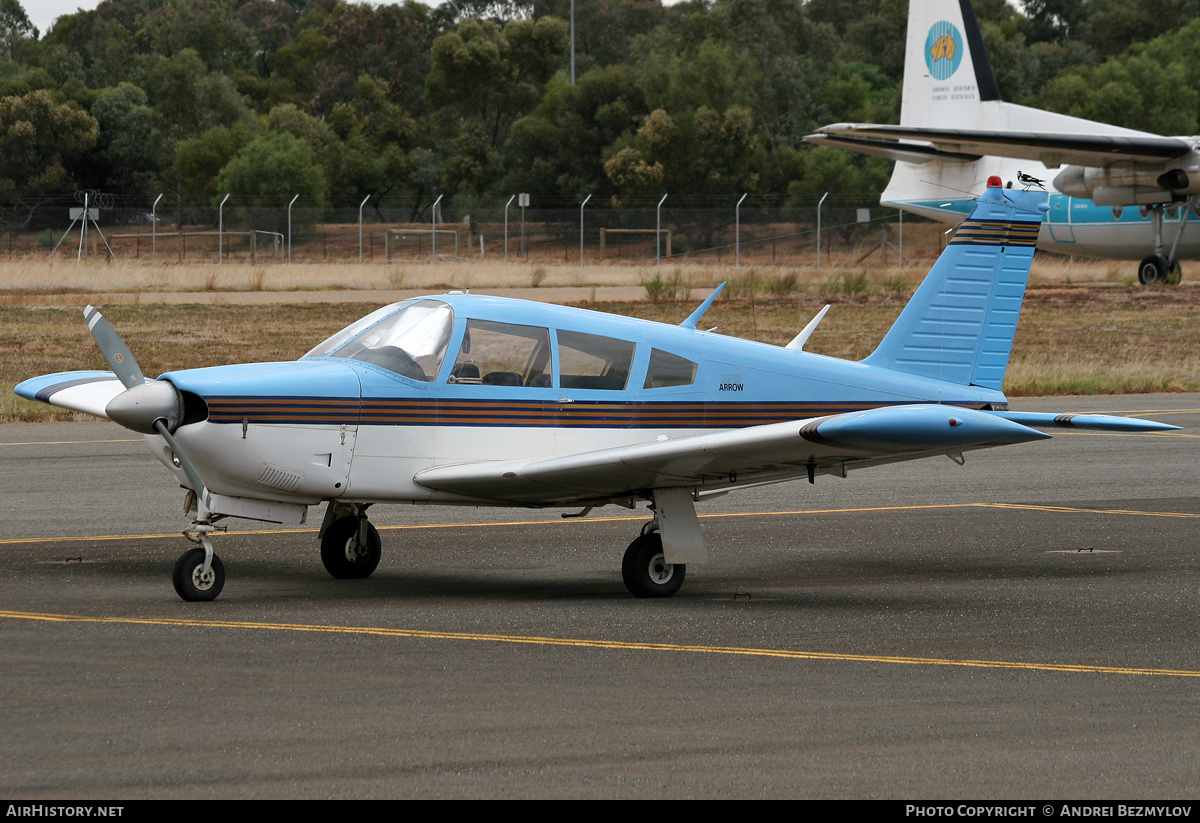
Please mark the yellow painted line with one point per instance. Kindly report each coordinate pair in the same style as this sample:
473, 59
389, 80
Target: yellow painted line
619, 645
72, 442
622, 519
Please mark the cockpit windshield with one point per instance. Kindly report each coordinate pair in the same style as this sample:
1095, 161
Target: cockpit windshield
410, 341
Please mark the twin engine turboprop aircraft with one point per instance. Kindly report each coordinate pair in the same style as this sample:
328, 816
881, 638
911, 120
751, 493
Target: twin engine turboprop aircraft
469, 400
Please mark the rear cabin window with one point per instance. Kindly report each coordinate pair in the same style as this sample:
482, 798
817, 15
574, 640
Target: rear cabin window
668, 369
503, 354
589, 361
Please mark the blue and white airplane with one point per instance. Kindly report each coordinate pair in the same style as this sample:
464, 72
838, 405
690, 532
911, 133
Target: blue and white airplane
463, 399
1124, 194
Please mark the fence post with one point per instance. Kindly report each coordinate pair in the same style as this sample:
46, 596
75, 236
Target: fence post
737, 232
581, 205
822, 200
221, 231
658, 233
360, 227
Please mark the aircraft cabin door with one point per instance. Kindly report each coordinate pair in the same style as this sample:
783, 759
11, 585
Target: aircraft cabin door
1058, 221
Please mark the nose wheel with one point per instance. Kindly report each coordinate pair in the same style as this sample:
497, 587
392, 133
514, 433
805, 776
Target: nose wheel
196, 581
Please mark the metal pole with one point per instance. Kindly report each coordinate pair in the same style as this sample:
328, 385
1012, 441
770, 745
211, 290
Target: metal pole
221, 231
737, 232
901, 265
290, 229
360, 227
507, 227
658, 233
154, 230
819, 202
572, 42
433, 215
82, 252
581, 205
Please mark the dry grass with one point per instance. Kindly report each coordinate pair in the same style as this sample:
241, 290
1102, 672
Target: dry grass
1098, 339
65, 281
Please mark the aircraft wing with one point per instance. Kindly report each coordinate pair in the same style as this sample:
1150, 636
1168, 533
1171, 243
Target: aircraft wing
1047, 148
749, 456
82, 391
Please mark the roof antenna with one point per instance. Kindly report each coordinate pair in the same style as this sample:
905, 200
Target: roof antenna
695, 316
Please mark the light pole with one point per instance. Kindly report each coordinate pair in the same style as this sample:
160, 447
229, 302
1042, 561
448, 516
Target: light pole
737, 232
819, 202
154, 230
221, 231
360, 225
581, 205
658, 233
294, 199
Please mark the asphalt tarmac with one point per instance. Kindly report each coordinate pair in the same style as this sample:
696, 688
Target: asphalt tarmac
1024, 626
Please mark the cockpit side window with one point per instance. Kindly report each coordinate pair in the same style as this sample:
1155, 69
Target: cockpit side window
589, 361
412, 342
503, 354
668, 369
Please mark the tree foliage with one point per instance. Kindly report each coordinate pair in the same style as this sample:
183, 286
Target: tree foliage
707, 99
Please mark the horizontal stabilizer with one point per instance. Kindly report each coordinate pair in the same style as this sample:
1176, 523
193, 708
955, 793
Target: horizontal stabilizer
82, 391
1050, 149
889, 149
1100, 422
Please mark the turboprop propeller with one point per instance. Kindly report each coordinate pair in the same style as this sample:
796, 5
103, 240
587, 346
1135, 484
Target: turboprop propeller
157, 407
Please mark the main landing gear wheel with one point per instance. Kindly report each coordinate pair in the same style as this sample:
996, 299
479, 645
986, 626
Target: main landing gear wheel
1153, 269
344, 556
194, 584
646, 571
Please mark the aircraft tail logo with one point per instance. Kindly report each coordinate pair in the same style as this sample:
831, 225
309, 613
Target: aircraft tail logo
943, 50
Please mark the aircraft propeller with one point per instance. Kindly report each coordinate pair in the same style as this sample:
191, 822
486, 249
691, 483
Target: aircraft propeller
146, 406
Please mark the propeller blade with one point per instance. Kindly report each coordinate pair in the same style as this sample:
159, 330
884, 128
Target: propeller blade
119, 358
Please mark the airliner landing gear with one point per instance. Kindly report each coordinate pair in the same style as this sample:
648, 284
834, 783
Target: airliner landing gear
1160, 267
350, 547
646, 571
1153, 269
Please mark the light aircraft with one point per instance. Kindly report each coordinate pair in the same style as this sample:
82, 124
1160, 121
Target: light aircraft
484, 401
1122, 190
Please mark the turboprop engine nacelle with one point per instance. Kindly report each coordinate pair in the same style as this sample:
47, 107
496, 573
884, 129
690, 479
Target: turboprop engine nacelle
1121, 185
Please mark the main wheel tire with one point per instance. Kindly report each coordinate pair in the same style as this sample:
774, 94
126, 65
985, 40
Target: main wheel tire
1152, 269
344, 557
192, 583
646, 571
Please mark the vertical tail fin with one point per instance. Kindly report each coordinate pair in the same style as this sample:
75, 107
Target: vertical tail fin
960, 322
947, 73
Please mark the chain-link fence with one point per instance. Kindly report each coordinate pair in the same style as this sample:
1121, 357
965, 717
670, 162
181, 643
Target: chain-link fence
594, 235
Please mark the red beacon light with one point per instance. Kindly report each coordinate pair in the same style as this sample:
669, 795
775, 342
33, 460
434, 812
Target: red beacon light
994, 182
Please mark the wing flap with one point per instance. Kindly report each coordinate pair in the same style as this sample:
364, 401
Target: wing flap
769, 453
82, 391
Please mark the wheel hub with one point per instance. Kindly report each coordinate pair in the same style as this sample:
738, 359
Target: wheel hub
660, 570
203, 580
